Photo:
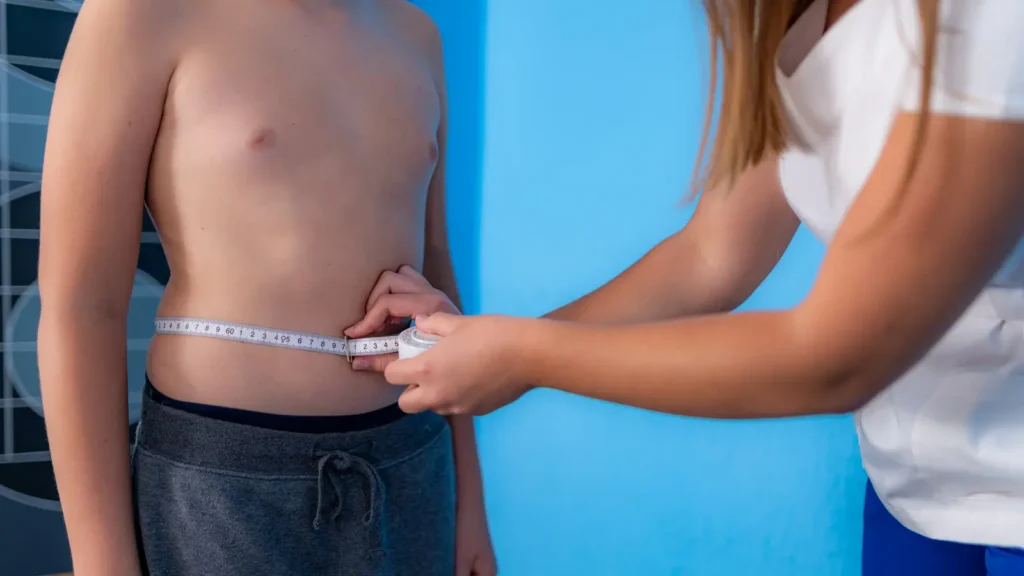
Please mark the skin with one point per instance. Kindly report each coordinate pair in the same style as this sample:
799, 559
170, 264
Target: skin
280, 191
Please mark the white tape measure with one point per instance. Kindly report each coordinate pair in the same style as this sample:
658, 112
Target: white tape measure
408, 344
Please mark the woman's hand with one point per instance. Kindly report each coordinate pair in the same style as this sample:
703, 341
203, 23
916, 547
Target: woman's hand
476, 368
397, 297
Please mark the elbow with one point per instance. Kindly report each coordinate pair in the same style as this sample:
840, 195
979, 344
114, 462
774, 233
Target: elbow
844, 371
59, 319
849, 394
724, 278
74, 322
711, 287
100, 304
840, 388
726, 288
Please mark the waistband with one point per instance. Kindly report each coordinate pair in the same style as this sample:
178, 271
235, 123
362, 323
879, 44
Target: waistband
203, 441
282, 422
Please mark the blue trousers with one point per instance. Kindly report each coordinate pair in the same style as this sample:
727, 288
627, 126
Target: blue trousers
892, 550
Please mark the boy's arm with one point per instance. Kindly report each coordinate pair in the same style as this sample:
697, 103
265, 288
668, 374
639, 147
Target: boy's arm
467, 463
106, 112
439, 271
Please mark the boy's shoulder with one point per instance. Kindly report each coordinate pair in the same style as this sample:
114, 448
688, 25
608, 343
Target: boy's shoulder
149, 25
418, 26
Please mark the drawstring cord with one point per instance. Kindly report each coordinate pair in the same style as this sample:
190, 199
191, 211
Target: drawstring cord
332, 466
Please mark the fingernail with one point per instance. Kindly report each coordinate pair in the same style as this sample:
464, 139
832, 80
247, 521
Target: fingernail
360, 363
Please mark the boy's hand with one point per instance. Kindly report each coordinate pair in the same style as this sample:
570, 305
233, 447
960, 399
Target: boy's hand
397, 297
474, 554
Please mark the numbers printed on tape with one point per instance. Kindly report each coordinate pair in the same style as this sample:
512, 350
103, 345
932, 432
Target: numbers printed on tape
280, 338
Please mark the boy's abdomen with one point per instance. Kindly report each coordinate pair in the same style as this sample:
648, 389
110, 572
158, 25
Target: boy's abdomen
290, 171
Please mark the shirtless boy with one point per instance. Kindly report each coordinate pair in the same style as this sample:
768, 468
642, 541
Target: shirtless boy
289, 151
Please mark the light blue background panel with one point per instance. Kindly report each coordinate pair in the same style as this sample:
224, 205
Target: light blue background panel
593, 117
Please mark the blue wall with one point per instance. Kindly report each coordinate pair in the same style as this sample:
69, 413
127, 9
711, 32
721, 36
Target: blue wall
592, 117
462, 27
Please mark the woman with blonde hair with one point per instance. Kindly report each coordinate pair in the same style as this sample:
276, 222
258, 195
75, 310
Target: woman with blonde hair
894, 129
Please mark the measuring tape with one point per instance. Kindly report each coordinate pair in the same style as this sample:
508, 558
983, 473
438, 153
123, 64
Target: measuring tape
408, 344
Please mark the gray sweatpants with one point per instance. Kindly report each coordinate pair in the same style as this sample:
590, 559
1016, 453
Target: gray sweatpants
226, 499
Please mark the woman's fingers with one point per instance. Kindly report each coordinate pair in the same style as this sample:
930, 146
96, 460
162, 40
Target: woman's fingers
441, 323
413, 400
373, 363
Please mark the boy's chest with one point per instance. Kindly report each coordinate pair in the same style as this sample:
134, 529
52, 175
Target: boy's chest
296, 87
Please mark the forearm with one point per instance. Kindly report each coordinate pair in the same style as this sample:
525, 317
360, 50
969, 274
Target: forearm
83, 376
670, 281
745, 365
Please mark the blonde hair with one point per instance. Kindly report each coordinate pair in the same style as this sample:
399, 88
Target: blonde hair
744, 39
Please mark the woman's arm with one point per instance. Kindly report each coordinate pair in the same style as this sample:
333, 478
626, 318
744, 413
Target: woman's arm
713, 264
106, 111
903, 266
889, 287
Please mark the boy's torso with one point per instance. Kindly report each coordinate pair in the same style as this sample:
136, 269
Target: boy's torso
291, 169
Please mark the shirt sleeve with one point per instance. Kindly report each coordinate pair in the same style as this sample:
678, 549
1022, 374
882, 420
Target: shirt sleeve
979, 66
